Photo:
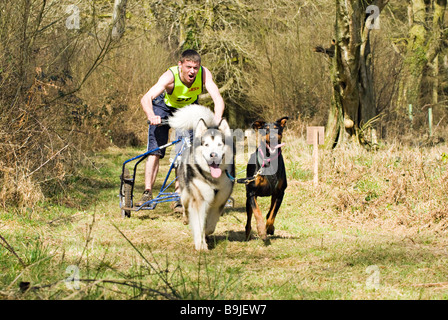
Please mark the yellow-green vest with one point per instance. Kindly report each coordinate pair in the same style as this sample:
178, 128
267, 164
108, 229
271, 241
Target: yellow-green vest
182, 95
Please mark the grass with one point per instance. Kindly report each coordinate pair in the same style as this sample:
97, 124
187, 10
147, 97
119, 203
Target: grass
374, 218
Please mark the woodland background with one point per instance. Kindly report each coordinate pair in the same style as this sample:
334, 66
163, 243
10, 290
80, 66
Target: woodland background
67, 90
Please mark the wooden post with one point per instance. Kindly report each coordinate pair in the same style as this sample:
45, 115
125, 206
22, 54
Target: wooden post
430, 121
411, 117
315, 136
316, 159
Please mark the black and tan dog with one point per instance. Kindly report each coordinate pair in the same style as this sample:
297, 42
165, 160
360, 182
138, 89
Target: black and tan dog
266, 176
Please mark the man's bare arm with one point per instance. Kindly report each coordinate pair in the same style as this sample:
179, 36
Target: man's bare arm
164, 81
213, 90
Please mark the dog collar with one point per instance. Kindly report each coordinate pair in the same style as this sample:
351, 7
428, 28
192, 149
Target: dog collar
272, 150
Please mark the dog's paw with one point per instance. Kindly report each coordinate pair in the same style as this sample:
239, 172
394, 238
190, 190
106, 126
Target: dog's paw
263, 236
185, 219
201, 247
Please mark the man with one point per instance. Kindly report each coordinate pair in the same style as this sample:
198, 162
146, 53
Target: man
178, 87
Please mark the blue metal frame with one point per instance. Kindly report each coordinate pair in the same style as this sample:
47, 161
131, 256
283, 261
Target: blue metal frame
163, 195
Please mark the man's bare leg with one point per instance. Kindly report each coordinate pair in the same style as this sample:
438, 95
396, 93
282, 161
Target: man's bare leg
177, 206
176, 183
151, 170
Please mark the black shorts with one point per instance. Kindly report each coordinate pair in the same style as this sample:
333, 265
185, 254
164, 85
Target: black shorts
158, 135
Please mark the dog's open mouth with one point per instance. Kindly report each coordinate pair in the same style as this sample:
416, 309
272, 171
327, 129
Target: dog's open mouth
215, 170
274, 149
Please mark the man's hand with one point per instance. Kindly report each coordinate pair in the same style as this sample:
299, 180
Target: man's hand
156, 90
154, 120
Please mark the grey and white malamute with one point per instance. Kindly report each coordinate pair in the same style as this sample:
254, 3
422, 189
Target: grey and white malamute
205, 170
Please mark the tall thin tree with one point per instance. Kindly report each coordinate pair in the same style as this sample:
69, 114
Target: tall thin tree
353, 107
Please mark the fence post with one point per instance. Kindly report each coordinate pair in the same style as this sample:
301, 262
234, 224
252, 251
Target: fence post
315, 136
430, 121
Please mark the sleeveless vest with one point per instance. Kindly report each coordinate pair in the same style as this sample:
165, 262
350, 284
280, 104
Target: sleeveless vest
182, 95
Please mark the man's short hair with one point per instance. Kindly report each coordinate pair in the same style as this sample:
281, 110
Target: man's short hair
190, 55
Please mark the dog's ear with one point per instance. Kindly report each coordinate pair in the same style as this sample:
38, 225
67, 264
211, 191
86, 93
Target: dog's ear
201, 127
257, 124
282, 121
224, 127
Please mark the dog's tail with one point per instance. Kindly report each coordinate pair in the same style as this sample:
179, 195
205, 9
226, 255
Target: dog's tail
188, 117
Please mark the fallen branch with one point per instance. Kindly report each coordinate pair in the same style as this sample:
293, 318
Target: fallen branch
54, 155
158, 272
11, 249
26, 286
428, 285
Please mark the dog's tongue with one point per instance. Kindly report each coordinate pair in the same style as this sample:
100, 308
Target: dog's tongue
276, 147
215, 170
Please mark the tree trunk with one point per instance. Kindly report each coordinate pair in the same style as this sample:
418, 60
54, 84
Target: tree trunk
119, 19
423, 48
354, 105
415, 59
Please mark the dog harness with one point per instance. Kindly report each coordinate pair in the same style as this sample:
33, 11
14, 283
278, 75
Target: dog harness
263, 162
182, 95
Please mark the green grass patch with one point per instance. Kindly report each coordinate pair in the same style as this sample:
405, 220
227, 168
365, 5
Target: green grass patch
318, 251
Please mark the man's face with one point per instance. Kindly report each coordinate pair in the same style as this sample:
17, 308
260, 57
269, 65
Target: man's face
188, 71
